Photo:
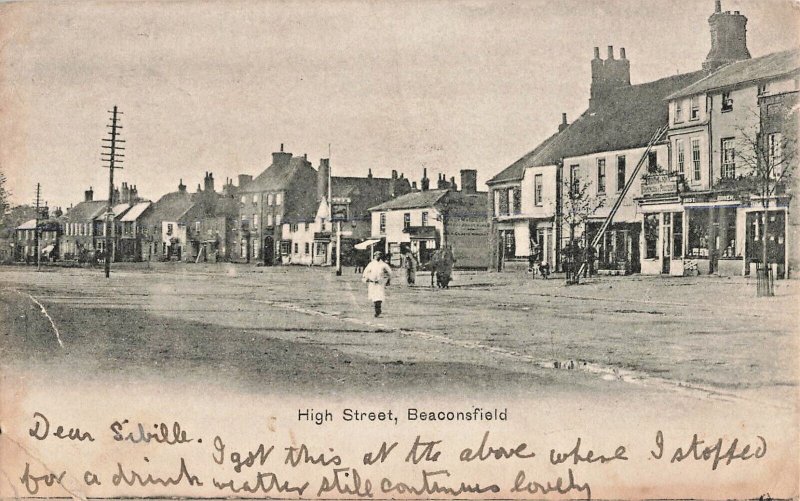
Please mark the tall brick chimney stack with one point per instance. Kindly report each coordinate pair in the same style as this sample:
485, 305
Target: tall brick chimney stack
608, 75
88, 195
728, 38
469, 181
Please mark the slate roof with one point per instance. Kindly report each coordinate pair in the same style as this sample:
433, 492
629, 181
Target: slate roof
28, 225
413, 200
118, 210
626, 119
136, 211
277, 176
85, 211
745, 71
171, 206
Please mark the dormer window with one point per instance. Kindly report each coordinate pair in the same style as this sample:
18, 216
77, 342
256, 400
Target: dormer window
727, 102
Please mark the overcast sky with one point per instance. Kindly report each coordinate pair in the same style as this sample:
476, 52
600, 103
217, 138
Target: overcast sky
217, 86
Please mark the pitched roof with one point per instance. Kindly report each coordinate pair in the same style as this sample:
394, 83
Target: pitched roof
277, 176
624, 120
515, 171
28, 225
136, 211
118, 211
413, 200
749, 70
171, 206
85, 211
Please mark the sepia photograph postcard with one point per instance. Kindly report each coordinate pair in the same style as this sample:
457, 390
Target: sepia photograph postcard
425, 249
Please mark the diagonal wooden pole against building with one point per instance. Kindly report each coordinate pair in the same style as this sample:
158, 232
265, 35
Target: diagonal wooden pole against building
112, 158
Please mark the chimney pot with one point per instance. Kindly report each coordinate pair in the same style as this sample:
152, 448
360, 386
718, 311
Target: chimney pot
622, 53
281, 147
369, 173
597, 52
717, 5
611, 52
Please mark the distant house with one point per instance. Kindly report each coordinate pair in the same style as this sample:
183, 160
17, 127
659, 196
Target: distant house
186, 226
26, 240
211, 223
131, 231
164, 236
285, 187
424, 221
309, 237
82, 228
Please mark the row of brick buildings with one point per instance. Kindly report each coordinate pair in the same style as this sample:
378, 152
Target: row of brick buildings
693, 201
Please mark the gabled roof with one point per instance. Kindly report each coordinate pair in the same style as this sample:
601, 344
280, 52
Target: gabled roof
413, 200
624, 120
44, 224
85, 211
749, 70
136, 211
170, 207
119, 210
277, 176
28, 225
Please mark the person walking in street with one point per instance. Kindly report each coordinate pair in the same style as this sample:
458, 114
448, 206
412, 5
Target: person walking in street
445, 268
377, 275
410, 266
433, 264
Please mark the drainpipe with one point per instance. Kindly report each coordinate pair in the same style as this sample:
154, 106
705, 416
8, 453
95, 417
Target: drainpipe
558, 215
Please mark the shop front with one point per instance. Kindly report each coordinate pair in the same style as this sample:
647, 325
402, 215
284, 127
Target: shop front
618, 252
772, 236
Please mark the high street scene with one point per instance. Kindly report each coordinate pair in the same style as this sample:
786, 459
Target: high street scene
580, 215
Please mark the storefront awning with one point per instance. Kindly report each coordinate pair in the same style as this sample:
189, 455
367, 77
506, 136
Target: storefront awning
365, 245
322, 236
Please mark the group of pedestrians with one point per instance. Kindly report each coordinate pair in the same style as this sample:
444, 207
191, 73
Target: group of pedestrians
377, 274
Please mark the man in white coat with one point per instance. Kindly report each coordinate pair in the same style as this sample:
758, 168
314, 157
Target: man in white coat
377, 275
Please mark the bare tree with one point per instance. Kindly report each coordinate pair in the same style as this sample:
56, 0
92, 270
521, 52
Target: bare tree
4, 194
578, 207
768, 155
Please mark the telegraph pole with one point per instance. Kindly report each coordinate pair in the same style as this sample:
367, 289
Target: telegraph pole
111, 159
36, 227
338, 219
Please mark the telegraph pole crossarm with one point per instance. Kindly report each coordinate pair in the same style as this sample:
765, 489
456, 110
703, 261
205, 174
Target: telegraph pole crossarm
111, 160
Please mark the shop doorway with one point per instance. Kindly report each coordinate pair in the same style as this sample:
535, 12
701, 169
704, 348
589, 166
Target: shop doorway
775, 237
269, 251
666, 244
